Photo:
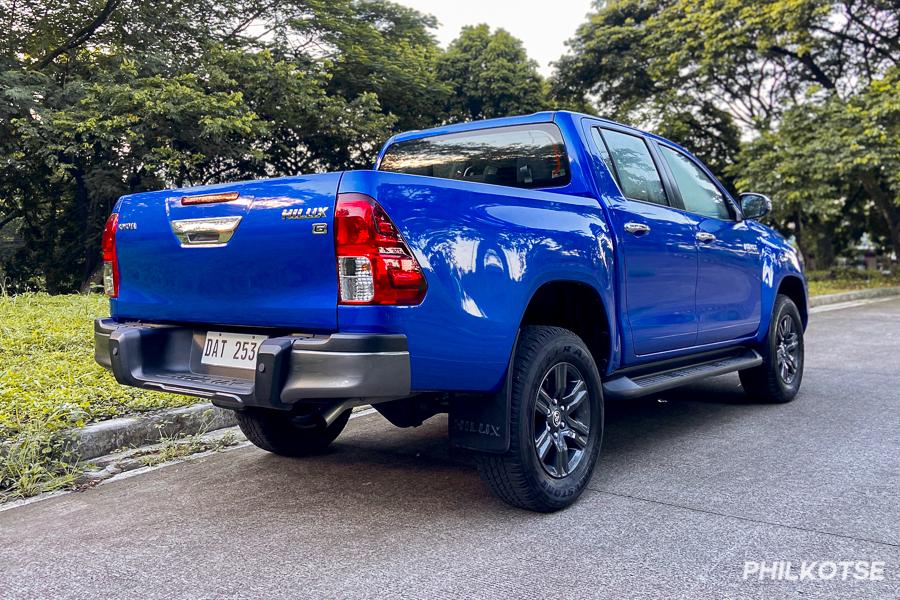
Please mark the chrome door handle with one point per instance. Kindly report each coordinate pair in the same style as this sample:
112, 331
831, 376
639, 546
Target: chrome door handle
637, 228
705, 238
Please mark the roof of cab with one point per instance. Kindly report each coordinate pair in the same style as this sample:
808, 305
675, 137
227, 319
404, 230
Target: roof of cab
538, 117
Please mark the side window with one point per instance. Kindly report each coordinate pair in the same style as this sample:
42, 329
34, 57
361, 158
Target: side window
604, 151
633, 167
699, 193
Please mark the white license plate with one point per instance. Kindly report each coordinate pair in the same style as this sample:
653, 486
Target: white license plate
236, 350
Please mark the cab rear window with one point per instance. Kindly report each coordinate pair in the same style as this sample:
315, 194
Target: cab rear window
523, 156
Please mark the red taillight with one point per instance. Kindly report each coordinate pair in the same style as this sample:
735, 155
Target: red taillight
110, 258
375, 266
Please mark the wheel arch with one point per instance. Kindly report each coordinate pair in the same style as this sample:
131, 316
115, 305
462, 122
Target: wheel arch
794, 288
578, 307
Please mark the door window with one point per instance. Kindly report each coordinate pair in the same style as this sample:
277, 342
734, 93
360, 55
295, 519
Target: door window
698, 192
632, 166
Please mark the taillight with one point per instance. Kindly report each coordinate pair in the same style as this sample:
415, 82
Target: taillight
375, 266
110, 258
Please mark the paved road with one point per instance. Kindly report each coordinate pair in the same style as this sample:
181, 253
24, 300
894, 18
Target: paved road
688, 490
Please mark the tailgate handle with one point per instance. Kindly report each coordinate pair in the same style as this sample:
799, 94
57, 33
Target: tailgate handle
213, 231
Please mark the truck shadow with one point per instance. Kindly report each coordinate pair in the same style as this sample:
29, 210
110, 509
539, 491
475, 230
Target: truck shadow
379, 465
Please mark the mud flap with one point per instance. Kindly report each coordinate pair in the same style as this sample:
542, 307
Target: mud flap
481, 422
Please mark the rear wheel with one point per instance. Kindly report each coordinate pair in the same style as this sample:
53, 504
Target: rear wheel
289, 434
557, 423
778, 379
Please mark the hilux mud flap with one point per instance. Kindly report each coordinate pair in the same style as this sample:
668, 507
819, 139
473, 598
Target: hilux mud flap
482, 422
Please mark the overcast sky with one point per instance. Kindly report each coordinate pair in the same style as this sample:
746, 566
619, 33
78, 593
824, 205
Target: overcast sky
542, 25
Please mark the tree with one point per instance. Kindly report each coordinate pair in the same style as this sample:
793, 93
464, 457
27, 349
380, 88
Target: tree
95, 102
388, 50
490, 75
615, 64
751, 59
696, 69
835, 168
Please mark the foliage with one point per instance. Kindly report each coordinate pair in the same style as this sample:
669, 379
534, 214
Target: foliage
178, 446
36, 459
780, 73
96, 102
834, 281
47, 368
49, 382
834, 168
751, 59
491, 76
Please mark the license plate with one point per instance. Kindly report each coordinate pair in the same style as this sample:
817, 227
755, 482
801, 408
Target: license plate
237, 350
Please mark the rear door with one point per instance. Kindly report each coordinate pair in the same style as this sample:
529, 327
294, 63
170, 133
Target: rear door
657, 244
729, 280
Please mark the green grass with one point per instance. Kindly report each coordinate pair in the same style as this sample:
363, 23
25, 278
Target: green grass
49, 382
836, 281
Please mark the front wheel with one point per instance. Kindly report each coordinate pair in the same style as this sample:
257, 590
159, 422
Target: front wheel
556, 423
777, 379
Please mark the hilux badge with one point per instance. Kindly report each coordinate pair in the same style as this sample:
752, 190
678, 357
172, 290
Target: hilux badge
304, 213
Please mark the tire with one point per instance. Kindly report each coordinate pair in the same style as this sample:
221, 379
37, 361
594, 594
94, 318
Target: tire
536, 473
777, 379
283, 433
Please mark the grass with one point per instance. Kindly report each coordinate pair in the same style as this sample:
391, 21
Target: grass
175, 447
49, 382
836, 281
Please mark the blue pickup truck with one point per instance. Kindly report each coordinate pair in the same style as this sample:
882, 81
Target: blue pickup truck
514, 273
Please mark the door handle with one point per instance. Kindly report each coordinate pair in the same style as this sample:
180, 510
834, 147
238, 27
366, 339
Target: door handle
637, 228
704, 237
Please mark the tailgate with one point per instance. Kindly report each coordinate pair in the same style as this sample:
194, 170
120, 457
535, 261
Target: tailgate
265, 258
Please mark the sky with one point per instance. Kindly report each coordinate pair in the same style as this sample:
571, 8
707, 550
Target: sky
542, 25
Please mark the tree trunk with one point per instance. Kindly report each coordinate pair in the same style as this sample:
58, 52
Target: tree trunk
807, 249
895, 239
889, 210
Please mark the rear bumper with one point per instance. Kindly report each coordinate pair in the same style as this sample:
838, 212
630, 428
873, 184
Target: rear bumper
289, 369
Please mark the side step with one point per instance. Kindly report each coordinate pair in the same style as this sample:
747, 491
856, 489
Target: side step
620, 387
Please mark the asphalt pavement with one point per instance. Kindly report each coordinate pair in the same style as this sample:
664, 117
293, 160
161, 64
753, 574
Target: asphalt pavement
690, 487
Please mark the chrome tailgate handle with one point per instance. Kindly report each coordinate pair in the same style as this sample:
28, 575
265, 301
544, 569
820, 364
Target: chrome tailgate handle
212, 231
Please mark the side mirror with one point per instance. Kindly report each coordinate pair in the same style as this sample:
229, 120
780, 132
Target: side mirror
755, 205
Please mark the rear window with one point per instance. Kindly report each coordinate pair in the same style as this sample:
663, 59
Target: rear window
524, 156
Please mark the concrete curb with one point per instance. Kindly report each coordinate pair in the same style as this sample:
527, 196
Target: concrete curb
100, 439
106, 437
851, 296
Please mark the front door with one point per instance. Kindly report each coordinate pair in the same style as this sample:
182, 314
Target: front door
729, 281
657, 245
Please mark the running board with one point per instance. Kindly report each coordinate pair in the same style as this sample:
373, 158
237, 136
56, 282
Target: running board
627, 387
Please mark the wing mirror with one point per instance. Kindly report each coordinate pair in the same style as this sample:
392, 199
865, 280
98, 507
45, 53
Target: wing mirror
755, 206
